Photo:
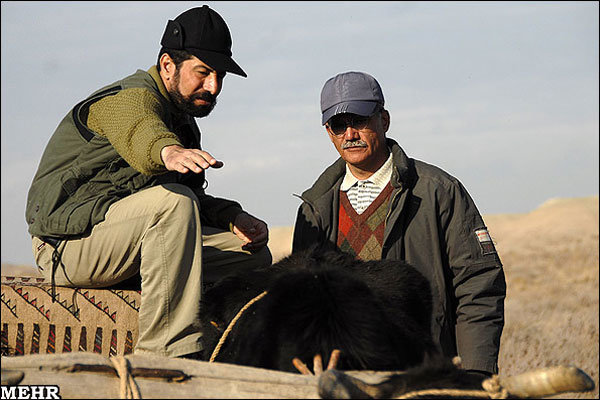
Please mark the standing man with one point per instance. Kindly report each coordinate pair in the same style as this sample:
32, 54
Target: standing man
377, 203
120, 189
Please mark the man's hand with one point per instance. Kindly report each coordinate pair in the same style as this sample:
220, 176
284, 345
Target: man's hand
252, 231
177, 158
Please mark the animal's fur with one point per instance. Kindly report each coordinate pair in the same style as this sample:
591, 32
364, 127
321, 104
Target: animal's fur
377, 313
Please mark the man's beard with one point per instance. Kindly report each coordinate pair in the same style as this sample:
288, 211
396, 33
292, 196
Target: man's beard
186, 104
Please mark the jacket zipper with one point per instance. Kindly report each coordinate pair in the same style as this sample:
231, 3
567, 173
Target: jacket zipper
391, 207
392, 204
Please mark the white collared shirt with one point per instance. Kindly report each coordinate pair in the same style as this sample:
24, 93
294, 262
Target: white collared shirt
362, 193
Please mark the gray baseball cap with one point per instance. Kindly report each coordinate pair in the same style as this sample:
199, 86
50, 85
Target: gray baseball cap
350, 92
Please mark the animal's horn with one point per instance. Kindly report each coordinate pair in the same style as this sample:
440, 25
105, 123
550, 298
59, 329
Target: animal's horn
547, 381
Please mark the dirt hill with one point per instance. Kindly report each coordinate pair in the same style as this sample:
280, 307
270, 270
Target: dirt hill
550, 257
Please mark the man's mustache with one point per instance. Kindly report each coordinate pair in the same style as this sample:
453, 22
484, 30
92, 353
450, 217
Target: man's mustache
206, 96
354, 143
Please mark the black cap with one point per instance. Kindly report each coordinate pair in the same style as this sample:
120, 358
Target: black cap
202, 32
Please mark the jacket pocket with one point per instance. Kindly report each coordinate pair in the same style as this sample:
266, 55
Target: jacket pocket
124, 177
70, 181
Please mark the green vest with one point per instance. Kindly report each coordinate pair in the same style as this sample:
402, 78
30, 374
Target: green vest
80, 174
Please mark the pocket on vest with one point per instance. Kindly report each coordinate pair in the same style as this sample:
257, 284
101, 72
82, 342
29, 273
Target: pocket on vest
124, 177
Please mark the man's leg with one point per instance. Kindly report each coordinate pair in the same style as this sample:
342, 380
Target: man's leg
223, 255
157, 232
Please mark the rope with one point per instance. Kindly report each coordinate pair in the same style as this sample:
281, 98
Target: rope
460, 393
128, 388
232, 324
56, 260
491, 386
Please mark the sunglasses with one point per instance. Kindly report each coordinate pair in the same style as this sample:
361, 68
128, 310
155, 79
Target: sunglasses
338, 124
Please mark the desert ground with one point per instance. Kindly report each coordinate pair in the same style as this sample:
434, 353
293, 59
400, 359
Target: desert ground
550, 257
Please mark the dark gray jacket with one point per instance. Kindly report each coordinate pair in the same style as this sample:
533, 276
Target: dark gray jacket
431, 223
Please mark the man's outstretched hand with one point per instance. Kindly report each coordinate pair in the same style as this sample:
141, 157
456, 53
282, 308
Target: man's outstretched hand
252, 231
180, 159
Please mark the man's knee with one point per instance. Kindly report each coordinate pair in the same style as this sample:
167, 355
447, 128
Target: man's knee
178, 198
180, 192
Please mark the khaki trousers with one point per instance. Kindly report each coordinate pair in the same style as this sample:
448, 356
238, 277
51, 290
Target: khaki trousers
156, 232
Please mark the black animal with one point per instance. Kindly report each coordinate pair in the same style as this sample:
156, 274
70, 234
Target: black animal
377, 313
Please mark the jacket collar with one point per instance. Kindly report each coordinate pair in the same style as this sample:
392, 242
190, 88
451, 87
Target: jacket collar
403, 170
153, 71
332, 177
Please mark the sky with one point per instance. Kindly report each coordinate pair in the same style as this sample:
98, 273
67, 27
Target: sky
502, 95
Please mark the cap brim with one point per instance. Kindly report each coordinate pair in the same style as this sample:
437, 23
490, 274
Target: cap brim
364, 108
218, 61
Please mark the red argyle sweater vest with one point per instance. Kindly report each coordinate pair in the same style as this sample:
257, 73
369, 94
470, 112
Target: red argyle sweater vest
362, 235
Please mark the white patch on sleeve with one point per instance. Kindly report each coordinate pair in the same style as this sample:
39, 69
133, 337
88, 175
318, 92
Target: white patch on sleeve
485, 241
483, 235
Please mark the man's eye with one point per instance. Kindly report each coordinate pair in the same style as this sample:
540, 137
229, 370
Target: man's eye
337, 125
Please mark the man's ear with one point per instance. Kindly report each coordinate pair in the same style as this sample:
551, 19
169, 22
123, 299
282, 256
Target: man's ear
167, 66
385, 118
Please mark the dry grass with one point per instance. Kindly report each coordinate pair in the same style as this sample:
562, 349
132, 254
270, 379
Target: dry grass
550, 257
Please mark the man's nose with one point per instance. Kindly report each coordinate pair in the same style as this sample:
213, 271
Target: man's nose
211, 84
350, 132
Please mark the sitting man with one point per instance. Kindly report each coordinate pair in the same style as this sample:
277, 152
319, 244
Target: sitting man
377, 203
120, 188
